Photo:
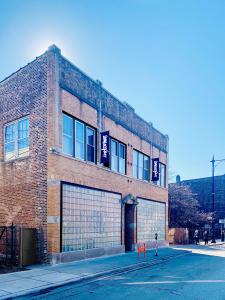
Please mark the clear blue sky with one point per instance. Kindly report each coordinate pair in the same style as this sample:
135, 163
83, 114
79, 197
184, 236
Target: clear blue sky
166, 58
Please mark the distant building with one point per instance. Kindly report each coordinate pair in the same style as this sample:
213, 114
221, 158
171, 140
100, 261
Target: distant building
202, 187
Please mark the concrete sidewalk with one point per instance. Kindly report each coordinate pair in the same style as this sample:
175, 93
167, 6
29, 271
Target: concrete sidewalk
42, 277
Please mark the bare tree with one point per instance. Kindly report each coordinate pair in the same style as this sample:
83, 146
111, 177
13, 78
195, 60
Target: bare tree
184, 209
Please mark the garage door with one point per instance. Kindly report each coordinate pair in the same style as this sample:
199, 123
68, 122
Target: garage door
151, 219
90, 218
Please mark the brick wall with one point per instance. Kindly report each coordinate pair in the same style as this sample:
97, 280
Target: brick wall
82, 86
23, 181
63, 168
30, 187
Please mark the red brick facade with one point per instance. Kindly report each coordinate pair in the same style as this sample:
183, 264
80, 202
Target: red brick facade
30, 186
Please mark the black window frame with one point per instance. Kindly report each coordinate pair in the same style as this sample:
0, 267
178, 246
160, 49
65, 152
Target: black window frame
118, 143
86, 126
143, 165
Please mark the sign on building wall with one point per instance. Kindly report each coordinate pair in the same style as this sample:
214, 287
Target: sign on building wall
105, 148
155, 169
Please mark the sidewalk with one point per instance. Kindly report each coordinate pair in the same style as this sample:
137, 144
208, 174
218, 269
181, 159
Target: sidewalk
42, 277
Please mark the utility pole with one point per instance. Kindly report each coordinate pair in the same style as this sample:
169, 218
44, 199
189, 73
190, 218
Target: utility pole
213, 194
213, 199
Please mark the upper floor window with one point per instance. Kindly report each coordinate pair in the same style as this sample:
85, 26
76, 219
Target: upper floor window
162, 175
79, 139
141, 166
90, 144
16, 141
118, 157
67, 135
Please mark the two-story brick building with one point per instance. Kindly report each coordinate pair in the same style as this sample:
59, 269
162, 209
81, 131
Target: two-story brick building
51, 177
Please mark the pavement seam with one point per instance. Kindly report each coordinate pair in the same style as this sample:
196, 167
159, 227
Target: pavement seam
130, 268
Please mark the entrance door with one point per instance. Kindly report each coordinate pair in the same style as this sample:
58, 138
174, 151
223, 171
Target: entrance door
130, 227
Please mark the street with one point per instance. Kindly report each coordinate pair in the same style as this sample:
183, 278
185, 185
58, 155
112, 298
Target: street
198, 275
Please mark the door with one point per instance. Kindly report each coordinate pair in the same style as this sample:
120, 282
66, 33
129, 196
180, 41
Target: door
130, 227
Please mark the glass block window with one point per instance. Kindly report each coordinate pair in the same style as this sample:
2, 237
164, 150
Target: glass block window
90, 218
118, 157
141, 166
67, 135
16, 142
78, 139
151, 219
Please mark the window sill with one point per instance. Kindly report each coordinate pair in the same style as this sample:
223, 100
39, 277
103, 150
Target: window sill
100, 166
17, 159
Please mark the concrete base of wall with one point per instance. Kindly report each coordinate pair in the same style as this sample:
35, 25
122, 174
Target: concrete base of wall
161, 244
56, 258
151, 244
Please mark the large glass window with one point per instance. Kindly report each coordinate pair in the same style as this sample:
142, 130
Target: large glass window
90, 133
141, 167
16, 142
118, 157
67, 135
78, 139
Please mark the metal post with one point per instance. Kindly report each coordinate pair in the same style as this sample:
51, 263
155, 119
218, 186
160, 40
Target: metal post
156, 244
12, 244
213, 200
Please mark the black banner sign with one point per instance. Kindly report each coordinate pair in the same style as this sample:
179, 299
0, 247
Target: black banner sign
155, 169
105, 148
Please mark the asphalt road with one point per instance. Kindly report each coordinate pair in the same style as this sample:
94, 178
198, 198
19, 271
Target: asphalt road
199, 275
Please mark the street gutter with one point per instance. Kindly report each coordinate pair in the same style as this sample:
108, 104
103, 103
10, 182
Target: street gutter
93, 277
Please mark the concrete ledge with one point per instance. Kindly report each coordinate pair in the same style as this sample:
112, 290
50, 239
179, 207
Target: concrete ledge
56, 258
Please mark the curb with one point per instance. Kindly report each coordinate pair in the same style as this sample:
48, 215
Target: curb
125, 269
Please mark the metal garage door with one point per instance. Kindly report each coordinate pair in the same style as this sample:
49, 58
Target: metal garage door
151, 219
90, 218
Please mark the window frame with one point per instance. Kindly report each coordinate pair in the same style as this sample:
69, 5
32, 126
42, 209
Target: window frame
136, 165
118, 143
16, 140
73, 133
164, 179
149, 167
74, 119
84, 140
159, 182
94, 144
143, 165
